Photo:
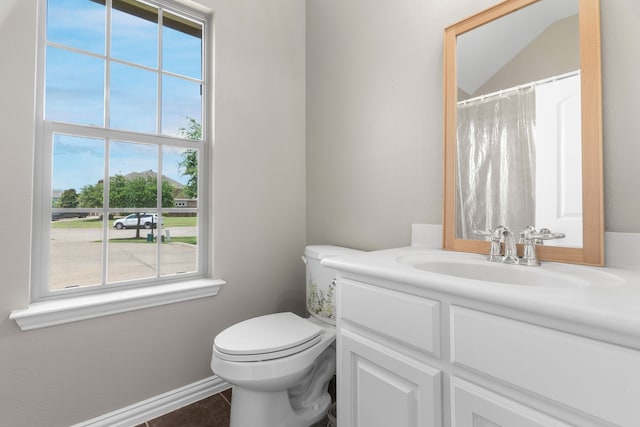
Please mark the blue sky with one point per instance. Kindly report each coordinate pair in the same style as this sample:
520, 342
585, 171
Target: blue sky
80, 161
75, 89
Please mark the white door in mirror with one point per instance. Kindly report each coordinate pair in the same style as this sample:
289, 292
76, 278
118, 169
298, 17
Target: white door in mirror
559, 171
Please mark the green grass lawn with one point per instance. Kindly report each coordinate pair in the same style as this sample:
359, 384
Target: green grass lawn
78, 223
179, 221
169, 221
192, 240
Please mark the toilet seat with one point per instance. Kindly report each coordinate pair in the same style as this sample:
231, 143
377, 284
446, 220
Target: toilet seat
266, 338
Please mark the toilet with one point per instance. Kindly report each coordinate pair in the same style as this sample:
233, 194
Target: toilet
280, 364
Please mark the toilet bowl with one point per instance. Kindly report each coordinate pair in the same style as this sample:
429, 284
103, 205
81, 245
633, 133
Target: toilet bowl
280, 364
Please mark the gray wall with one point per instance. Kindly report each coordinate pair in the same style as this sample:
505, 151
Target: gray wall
555, 51
373, 167
374, 116
621, 86
374, 132
65, 374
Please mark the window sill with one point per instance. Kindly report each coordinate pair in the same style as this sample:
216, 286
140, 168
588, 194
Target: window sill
56, 312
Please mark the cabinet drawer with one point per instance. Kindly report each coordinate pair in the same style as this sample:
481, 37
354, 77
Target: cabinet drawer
475, 406
594, 377
407, 318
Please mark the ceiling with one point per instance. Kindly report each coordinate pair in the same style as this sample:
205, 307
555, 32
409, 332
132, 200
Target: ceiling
483, 51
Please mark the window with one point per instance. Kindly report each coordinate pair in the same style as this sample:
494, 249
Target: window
121, 155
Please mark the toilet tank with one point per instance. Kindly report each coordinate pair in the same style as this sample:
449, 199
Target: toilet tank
320, 287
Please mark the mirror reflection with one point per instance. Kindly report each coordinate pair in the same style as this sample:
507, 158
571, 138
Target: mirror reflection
518, 133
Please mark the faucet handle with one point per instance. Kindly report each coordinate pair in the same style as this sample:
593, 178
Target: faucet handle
529, 241
495, 236
484, 233
494, 233
540, 236
526, 233
546, 234
531, 237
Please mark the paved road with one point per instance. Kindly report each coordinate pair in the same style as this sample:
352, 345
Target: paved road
76, 256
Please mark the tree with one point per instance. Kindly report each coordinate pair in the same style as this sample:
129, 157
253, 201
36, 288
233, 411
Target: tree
117, 191
189, 168
192, 131
68, 199
142, 192
168, 190
91, 196
189, 164
138, 192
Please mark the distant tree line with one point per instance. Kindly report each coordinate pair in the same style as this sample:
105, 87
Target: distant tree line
135, 192
140, 191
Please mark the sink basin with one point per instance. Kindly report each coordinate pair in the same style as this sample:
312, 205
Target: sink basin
500, 273
475, 267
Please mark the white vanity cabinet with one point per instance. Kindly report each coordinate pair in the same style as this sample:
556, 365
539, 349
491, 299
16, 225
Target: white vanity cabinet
386, 388
380, 380
475, 406
413, 357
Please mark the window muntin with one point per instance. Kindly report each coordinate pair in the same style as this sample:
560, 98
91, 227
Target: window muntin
115, 134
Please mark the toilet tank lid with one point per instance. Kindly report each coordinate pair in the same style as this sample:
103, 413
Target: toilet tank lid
324, 251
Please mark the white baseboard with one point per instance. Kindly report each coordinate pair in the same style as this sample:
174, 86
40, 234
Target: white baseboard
159, 405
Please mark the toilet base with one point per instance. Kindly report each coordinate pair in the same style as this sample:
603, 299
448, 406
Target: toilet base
273, 409
300, 406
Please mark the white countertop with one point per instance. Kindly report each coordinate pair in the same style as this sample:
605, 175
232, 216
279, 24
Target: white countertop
608, 301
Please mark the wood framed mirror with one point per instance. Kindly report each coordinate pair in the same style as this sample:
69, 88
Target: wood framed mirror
515, 55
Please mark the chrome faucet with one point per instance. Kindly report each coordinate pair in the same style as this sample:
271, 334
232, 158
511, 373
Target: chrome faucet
500, 234
530, 237
495, 238
510, 250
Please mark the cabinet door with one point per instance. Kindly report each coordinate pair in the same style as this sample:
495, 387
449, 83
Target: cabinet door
379, 387
474, 406
597, 378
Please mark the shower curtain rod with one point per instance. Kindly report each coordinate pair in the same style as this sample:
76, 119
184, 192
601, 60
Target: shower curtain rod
522, 86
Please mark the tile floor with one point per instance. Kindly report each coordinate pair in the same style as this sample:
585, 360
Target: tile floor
213, 411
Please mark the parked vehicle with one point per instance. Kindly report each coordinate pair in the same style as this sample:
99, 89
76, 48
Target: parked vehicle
60, 215
147, 220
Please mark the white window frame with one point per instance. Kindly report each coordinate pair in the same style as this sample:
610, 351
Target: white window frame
61, 306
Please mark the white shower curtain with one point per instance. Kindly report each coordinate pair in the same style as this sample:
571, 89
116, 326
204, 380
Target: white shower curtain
495, 175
